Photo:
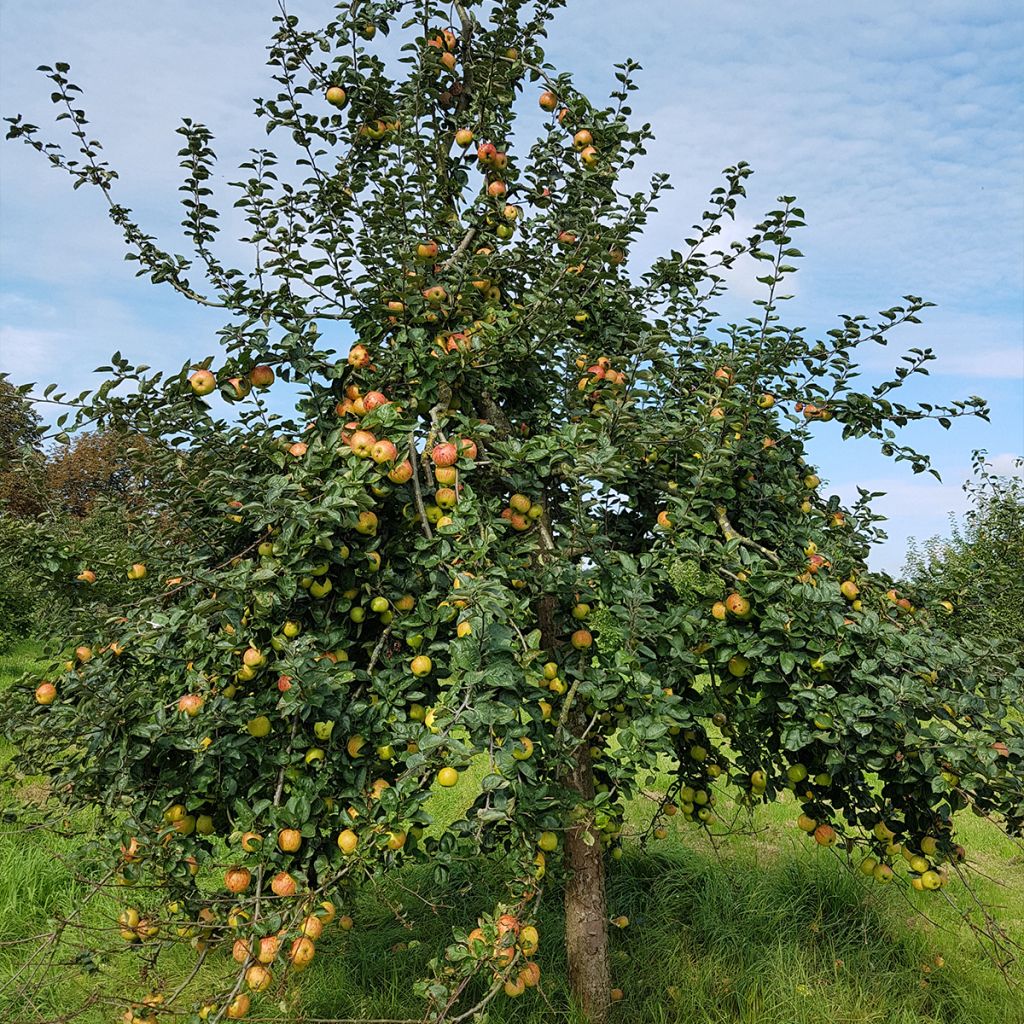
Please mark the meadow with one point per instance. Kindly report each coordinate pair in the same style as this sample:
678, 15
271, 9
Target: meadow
746, 929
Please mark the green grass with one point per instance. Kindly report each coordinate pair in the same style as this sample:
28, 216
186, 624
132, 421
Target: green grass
755, 930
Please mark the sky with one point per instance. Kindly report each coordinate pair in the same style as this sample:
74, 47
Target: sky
898, 126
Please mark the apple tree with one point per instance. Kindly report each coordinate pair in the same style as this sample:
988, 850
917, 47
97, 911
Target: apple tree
463, 490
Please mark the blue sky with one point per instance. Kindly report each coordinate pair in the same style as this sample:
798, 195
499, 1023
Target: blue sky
898, 126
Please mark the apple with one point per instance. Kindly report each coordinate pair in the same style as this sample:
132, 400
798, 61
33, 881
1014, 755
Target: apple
496, 189
421, 666
719, 611
320, 588
298, 449
738, 666
258, 726
347, 841
358, 356
301, 953
849, 589
361, 442
282, 884
237, 879
589, 157
402, 473
203, 382
463, 138
384, 451
435, 295
289, 840
238, 1007
190, 704
258, 978
445, 454
765, 401
825, 835
336, 96
46, 693
758, 779
581, 639
806, 823
520, 503
446, 497
447, 777
137, 571
548, 841
253, 658
811, 481
522, 749
366, 524
427, 250
486, 153
582, 139
261, 377
88, 576
738, 605
240, 387
724, 374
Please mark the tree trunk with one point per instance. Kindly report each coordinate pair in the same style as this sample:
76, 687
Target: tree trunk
586, 909
586, 905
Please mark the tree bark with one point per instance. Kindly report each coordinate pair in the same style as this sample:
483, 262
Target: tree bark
586, 907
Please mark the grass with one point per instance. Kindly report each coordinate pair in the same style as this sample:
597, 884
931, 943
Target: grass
761, 930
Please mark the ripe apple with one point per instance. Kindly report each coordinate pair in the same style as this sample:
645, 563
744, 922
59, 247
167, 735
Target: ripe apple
445, 454
190, 704
447, 777
590, 157
237, 879
522, 749
421, 666
427, 250
203, 382
238, 1007
849, 589
435, 295
336, 96
298, 449
719, 611
548, 101
46, 693
825, 835
282, 884
347, 841
402, 473
301, 953
765, 401
261, 377
582, 139
811, 481
88, 576
496, 189
548, 841
384, 451
358, 356
240, 387
581, 639
289, 840
258, 978
137, 571
463, 138
738, 605
724, 374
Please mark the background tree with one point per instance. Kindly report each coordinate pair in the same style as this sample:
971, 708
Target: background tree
977, 572
548, 513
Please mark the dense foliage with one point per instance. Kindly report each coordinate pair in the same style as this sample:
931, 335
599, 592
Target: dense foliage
979, 567
544, 509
